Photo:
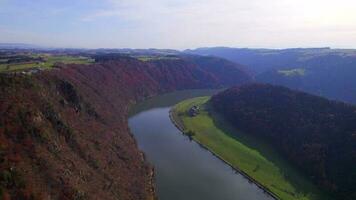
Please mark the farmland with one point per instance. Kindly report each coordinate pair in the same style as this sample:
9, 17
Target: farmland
23, 62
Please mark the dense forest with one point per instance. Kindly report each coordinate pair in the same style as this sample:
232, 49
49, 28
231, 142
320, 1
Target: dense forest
64, 132
316, 134
327, 76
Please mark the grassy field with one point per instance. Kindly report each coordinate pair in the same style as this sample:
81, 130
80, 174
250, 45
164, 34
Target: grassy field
292, 72
244, 152
48, 63
152, 58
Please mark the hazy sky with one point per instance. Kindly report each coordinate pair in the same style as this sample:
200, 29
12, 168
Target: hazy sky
179, 23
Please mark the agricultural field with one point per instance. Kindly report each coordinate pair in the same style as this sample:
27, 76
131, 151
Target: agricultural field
244, 152
16, 63
292, 72
147, 58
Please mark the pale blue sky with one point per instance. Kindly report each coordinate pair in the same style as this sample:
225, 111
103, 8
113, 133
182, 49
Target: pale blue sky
179, 24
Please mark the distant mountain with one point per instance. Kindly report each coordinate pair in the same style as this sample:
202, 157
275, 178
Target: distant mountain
261, 60
321, 71
128, 51
316, 134
258, 60
18, 46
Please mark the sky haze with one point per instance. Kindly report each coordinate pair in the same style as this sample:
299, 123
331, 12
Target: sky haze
179, 24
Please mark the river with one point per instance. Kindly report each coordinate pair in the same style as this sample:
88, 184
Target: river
184, 170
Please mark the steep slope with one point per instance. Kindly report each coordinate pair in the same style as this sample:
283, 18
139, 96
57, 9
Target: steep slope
257, 60
315, 134
64, 132
329, 76
262, 60
321, 71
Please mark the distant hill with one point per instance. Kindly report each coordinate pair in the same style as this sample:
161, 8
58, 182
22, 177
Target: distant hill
261, 60
331, 76
258, 60
316, 134
18, 46
321, 71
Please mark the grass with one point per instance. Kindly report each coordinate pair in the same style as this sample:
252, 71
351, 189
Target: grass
49, 61
152, 58
244, 152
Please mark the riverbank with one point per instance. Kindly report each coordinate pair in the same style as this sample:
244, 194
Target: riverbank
273, 176
184, 170
175, 121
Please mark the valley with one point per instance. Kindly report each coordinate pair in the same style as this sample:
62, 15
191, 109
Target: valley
65, 128
177, 100
184, 170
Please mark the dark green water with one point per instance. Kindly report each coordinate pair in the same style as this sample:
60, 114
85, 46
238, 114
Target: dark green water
184, 170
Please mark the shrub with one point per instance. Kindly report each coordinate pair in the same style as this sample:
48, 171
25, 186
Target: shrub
190, 134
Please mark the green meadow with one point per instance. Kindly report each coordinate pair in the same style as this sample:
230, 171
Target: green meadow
148, 58
254, 157
292, 72
48, 63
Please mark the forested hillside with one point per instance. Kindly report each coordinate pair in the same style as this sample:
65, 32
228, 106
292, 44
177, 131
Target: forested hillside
64, 132
327, 76
322, 71
316, 134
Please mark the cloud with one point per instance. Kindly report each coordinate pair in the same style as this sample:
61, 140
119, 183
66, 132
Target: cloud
193, 23
133, 10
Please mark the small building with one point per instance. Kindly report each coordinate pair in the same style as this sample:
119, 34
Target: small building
193, 111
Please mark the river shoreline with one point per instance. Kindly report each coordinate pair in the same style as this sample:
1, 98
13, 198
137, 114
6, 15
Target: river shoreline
238, 170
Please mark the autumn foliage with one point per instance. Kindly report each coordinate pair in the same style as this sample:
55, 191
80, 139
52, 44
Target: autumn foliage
64, 132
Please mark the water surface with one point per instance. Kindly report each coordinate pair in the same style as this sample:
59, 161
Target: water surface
184, 170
